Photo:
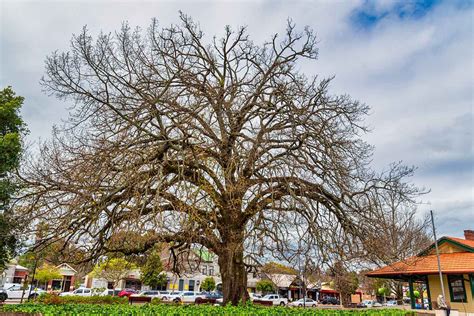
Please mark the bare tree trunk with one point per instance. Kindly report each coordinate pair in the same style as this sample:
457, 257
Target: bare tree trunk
233, 273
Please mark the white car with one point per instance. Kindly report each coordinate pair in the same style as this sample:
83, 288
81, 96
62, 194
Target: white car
110, 292
367, 303
275, 299
371, 303
254, 296
164, 295
391, 303
78, 292
190, 297
308, 302
172, 296
148, 293
16, 291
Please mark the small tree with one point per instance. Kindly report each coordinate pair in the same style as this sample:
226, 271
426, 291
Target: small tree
265, 286
275, 267
345, 282
47, 273
113, 270
208, 284
152, 271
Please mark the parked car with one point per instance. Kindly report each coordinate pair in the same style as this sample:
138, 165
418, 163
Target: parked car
255, 296
16, 291
163, 295
174, 296
276, 299
212, 295
147, 293
83, 291
391, 303
371, 303
127, 292
304, 302
330, 300
366, 303
209, 297
110, 292
190, 297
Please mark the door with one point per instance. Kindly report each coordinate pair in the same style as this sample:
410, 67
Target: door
16, 292
87, 292
181, 285
67, 283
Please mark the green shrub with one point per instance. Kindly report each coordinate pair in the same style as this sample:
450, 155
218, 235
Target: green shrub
52, 299
188, 310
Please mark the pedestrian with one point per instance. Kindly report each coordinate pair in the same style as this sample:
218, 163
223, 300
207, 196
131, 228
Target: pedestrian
442, 304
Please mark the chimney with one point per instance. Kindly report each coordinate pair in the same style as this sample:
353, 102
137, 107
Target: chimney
469, 234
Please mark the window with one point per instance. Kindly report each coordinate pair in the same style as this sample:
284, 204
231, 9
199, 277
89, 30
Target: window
211, 271
17, 280
181, 285
456, 288
191, 285
204, 270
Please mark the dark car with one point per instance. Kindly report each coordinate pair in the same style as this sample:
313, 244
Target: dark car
213, 295
127, 292
330, 300
209, 297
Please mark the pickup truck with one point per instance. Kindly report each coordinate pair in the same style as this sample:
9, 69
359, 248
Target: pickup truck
275, 299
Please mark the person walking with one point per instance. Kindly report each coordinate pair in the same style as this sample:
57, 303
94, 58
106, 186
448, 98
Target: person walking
442, 304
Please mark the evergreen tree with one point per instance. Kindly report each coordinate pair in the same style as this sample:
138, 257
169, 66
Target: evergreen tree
12, 128
152, 271
208, 284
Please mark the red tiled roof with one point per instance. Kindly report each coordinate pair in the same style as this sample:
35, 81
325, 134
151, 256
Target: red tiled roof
465, 242
459, 262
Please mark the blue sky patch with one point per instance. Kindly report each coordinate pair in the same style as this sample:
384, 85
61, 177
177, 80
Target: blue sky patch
371, 12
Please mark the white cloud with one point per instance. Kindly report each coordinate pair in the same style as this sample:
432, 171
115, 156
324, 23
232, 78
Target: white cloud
416, 74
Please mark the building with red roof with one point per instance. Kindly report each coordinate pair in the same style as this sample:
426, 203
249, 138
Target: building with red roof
457, 268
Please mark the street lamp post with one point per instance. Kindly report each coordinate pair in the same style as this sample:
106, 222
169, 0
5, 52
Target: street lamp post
437, 255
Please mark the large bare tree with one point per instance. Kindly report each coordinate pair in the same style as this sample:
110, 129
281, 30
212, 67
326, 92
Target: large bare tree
398, 234
221, 143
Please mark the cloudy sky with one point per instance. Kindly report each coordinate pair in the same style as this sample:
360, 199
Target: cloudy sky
411, 61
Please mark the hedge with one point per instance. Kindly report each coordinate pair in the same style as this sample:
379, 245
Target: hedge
191, 310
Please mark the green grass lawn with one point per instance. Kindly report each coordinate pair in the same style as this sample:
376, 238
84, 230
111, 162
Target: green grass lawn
199, 310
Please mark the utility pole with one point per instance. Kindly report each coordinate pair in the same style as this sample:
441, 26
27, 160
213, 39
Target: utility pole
437, 254
33, 277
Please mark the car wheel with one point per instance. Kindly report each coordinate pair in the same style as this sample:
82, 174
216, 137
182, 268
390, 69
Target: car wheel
164, 298
282, 304
301, 305
34, 295
3, 297
176, 300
